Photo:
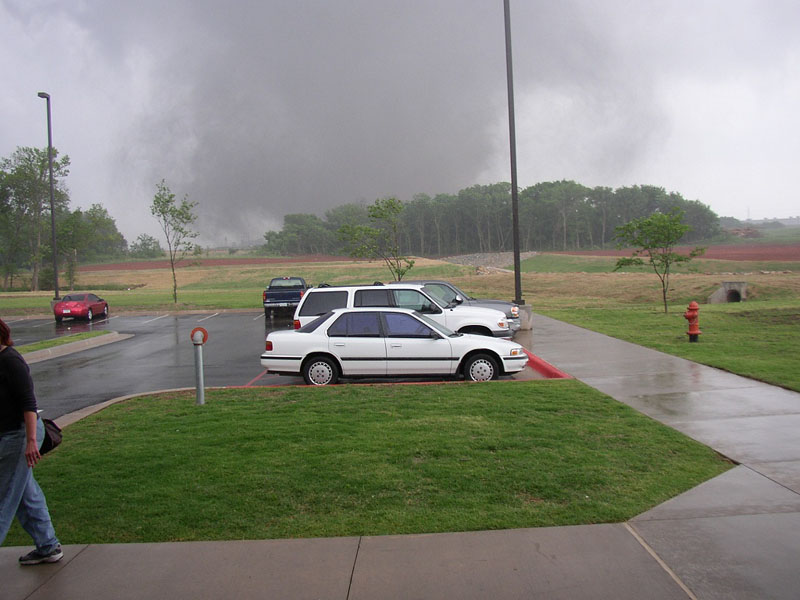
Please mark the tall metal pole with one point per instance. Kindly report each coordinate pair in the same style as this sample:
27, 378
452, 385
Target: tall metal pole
46, 96
512, 135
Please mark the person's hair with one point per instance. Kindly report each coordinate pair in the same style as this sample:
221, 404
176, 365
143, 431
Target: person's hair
5, 334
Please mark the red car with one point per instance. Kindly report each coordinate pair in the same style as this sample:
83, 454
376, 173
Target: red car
80, 306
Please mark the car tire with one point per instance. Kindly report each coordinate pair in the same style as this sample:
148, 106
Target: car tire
89, 315
320, 370
105, 311
481, 367
59, 319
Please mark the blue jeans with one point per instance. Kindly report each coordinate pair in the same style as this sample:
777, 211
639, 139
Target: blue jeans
20, 495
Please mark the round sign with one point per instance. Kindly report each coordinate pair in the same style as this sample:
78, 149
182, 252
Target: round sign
201, 330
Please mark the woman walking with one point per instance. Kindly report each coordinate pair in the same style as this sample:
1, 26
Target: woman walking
21, 435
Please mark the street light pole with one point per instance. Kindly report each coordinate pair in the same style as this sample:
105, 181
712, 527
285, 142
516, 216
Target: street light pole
512, 134
46, 96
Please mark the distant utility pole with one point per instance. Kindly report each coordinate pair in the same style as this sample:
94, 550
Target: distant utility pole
512, 134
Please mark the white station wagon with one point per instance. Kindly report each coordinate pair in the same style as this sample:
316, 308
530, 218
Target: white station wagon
386, 342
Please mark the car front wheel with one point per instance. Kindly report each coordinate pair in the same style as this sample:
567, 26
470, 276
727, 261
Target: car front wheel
320, 371
105, 311
481, 367
89, 315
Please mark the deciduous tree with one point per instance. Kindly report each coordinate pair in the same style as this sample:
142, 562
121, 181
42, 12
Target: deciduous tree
655, 238
381, 240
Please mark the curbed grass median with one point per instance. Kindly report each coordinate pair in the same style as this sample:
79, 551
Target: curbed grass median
362, 460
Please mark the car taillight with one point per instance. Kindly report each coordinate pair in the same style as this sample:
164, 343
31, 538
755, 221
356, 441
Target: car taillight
268, 346
302, 292
296, 324
264, 296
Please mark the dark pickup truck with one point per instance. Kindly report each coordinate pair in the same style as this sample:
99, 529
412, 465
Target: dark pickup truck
283, 294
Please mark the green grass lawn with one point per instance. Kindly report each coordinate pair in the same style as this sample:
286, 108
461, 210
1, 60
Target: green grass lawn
59, 341
760, 340
362, 460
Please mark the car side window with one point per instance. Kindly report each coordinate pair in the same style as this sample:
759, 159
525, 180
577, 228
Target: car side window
413, 300
318, 303
92, 298
371, 298
405, 326
358, 324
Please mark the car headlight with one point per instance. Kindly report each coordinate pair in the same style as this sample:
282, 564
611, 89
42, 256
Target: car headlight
502, 324
517, 351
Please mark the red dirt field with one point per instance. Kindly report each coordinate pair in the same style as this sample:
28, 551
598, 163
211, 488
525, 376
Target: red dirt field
210, 262
755, 252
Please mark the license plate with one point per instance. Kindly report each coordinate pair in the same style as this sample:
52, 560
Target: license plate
66, 311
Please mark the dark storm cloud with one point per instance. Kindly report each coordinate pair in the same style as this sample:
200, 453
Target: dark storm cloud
259, 109
299, 107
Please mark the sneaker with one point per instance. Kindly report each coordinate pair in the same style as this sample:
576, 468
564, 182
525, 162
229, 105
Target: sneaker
36, 558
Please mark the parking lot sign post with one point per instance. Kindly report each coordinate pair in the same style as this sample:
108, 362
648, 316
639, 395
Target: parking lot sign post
199, 337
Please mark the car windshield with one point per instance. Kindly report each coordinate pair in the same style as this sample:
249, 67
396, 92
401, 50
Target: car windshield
441, 292
445, 331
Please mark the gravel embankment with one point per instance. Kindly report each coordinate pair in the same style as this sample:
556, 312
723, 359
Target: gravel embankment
492, 260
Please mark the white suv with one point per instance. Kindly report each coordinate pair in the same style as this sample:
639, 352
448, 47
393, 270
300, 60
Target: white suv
464, 319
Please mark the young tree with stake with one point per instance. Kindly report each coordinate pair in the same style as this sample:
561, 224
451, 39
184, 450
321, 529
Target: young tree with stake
175, 221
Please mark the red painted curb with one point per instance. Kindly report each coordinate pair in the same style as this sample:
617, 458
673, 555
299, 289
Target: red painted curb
545, 368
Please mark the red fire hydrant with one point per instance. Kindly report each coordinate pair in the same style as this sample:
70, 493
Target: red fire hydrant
694, 325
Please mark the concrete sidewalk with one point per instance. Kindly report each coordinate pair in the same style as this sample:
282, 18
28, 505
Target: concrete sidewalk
736, 536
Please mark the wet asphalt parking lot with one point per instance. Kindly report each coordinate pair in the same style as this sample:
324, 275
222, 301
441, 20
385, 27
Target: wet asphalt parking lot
160, 355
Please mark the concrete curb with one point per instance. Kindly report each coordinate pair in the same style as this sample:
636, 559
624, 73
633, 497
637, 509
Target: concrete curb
64, 349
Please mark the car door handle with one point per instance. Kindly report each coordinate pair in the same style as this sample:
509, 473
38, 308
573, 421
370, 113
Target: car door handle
396, 345
341, 344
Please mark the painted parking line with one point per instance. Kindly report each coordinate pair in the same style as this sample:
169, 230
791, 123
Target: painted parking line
207, 318
156, 319
260, 316
256, 378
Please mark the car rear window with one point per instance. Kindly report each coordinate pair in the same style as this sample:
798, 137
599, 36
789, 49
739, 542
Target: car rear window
318, 303
286, 283
313, 325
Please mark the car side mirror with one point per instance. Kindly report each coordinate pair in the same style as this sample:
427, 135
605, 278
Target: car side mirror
458, 299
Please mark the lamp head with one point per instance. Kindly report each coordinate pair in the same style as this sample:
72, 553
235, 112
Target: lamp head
43, 95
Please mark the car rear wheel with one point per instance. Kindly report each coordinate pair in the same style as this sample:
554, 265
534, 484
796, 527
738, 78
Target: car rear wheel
59, 319
320, 370
481, 367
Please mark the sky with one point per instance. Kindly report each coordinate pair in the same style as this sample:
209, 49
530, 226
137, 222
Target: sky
256, 109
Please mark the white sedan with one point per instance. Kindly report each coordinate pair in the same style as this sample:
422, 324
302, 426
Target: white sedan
386, 342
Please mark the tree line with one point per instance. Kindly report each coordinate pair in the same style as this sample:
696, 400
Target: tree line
25, 223
561, 215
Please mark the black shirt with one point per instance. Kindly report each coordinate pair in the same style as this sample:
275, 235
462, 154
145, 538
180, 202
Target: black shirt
16, 390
